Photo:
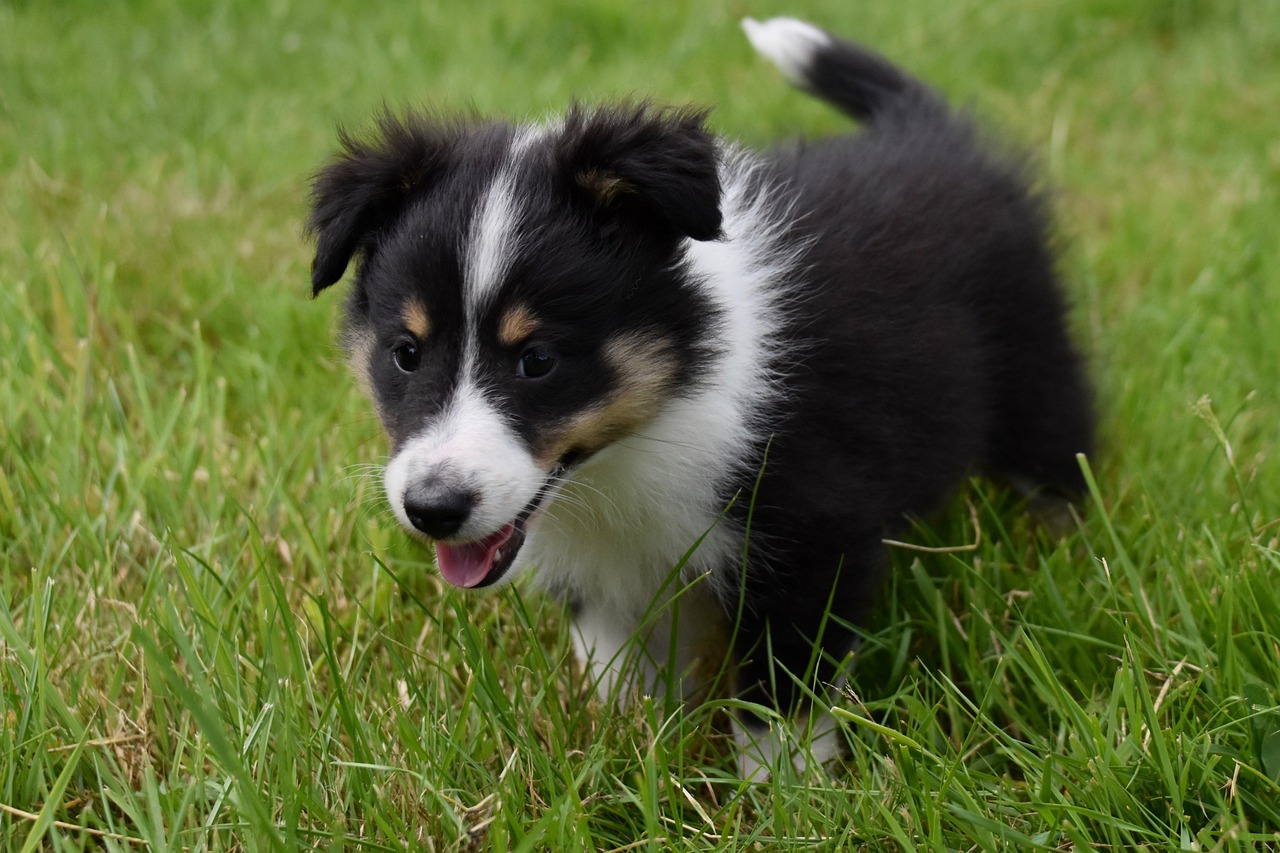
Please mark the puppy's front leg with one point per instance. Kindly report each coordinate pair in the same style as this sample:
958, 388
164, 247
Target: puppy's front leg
678, 648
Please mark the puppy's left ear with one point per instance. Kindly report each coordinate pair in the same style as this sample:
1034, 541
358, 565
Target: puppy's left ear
365, 188
656, 167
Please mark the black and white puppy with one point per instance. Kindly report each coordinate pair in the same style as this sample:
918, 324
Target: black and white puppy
686, 386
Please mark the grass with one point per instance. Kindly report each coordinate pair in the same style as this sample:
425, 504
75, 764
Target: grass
213, 638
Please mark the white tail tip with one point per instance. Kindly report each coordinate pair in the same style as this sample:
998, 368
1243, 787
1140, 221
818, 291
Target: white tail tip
788, 43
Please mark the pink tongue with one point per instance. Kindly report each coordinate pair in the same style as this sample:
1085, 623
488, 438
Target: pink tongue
469, 563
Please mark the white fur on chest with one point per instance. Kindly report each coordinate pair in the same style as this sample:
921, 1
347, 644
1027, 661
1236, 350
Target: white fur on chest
615, 535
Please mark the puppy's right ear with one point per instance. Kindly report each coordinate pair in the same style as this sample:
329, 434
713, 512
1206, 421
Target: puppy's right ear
366, 187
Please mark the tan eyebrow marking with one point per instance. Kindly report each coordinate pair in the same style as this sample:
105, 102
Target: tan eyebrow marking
516, 324
416, 319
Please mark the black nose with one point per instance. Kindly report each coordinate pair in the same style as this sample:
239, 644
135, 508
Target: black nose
437, 512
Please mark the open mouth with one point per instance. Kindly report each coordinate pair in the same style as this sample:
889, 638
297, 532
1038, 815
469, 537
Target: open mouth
483, 562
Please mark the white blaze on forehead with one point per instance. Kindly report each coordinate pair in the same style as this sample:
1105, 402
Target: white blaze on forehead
494, 238
469, 447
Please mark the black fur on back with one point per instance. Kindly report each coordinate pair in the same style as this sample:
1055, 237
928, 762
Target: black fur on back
936, 347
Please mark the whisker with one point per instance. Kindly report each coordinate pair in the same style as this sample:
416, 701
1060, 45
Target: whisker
600, 493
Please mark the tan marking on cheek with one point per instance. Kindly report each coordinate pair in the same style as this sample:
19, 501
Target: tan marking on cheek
516, 324
645, 369
416, 319
360, 347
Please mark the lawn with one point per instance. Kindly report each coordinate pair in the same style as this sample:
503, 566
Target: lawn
214, 637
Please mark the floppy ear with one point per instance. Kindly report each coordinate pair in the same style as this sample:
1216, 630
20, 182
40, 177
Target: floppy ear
657, 166
365, 188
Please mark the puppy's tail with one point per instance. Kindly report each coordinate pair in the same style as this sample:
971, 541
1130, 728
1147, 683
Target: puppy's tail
855, 80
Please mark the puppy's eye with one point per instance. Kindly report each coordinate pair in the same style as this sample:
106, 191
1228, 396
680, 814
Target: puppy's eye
407, 356
535, 363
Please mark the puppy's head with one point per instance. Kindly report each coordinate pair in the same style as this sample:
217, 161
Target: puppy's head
520, 304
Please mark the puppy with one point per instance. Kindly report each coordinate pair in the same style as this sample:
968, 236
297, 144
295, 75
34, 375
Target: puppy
689, 387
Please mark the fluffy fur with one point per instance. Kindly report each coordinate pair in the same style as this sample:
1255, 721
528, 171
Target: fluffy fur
613, 346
